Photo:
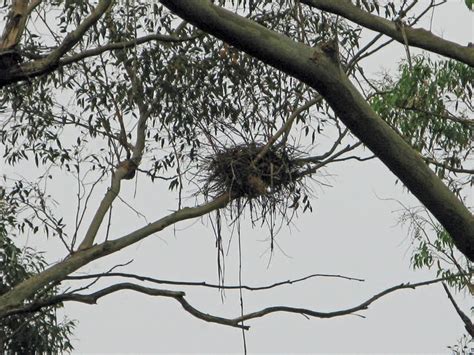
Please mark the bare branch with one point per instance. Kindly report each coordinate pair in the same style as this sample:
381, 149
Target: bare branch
467, 322
180, 297
331, 159
319, 158
285, 129
363, 306
94, 297
205, 284
104, 206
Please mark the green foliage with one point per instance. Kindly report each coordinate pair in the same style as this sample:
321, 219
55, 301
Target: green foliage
433, 248
28, 333
429, 105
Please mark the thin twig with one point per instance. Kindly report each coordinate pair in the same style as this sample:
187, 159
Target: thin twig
467, 322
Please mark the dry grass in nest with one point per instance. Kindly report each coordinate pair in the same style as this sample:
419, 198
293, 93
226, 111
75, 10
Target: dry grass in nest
238, 171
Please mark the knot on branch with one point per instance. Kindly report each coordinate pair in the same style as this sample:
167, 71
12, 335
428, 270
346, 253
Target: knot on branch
331, 48
130, 168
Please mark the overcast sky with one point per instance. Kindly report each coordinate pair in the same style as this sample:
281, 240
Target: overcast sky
352, 231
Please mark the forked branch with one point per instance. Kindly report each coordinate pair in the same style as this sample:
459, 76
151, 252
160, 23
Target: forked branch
180, 297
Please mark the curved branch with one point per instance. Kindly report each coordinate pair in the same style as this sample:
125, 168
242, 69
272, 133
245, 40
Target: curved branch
416, 37
320, 158
363, 306
285, 129
180, 297
94, 297
323, 160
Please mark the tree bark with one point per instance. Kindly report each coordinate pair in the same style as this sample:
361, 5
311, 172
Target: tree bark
416, 37
16, 21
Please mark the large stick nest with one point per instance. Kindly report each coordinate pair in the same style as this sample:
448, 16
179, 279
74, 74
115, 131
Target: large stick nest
237, 170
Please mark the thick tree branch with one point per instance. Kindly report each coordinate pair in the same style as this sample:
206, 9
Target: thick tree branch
316, 68
104, 206
416, 37
16, 296
33, 5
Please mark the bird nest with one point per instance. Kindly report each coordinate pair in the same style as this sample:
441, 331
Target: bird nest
244, 172
267, 180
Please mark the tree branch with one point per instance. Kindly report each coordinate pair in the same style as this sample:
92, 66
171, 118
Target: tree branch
123, 45
128, 167
416, 37
27, 288
285, 129
16, 21
105, 203
180, 297
448, 167
363, 306
51, 61
467, 322
205, 284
